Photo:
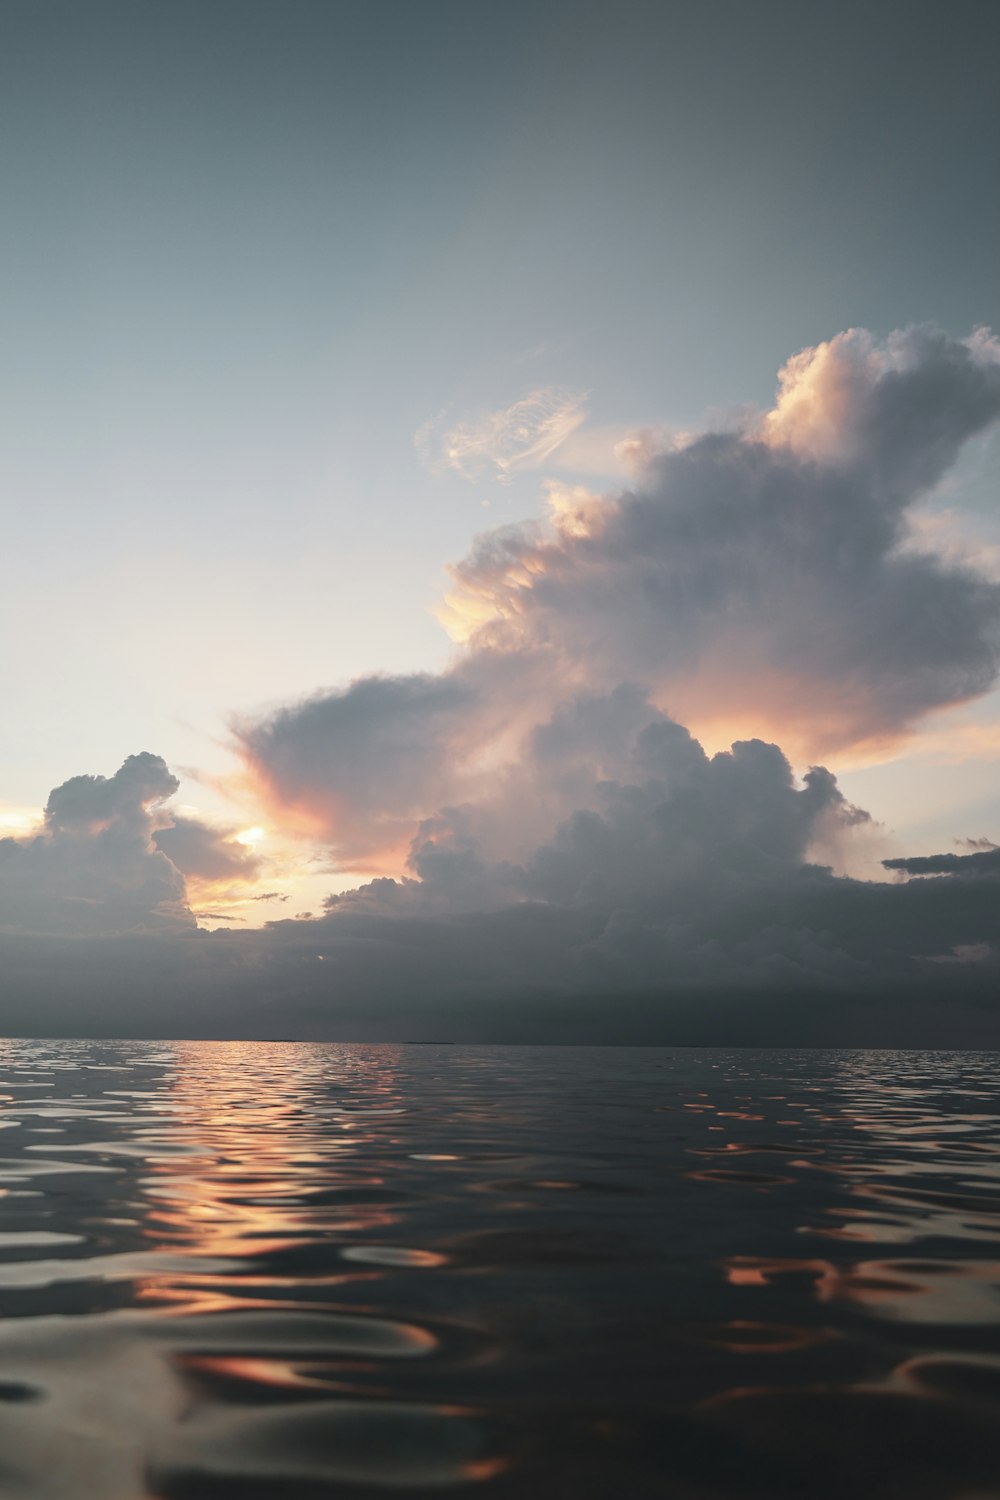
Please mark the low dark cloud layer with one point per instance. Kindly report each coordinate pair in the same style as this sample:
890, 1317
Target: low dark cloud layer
800, 960
983, 863
684, 907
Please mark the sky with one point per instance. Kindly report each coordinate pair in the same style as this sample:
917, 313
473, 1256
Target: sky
435, 434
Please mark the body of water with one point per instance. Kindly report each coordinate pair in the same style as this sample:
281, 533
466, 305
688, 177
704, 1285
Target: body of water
231, 1271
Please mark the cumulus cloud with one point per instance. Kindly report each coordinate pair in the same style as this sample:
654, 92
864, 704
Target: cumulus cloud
498, 444
94, 866
681, 822
685, 882
560, 832
897, 410
108, 856
760, 582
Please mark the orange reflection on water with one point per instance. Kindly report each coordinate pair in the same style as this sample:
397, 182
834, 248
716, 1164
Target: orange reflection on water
742, 1337
261, 1373
905, 1290
252, 1172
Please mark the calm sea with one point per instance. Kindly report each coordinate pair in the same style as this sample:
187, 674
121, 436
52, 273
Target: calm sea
231, 1271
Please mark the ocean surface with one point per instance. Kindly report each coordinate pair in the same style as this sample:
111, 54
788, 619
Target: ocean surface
231, 1271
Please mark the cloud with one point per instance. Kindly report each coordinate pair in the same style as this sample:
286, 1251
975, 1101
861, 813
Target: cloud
687, 885
362, 764
983, 863
896, 412
94, 866
681, 822
756, 583
956, 538
204, 853
498, 444
109, 857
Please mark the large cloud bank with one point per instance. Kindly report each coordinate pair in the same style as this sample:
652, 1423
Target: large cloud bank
755, 582
555, 856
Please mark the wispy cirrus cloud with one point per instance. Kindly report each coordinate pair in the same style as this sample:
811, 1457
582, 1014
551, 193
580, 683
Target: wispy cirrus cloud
498, 444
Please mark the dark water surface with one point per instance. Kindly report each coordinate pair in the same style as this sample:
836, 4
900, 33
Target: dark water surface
294, 1270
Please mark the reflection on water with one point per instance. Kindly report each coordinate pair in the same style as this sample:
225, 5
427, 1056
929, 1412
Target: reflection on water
292, 1270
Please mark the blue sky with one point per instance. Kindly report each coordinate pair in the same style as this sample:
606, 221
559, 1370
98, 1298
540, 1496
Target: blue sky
252, 250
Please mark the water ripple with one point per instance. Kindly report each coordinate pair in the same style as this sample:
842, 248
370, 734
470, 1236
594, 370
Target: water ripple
273, 1270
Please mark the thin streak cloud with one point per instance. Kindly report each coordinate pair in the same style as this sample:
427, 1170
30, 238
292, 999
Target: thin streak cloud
499, 444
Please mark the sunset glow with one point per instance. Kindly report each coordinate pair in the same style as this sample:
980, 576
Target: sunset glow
500, 750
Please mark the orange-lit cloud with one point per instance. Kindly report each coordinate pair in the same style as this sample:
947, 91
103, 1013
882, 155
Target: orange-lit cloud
758, 582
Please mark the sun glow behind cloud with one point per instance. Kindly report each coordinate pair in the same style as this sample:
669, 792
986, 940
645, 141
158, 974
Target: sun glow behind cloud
19, 821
